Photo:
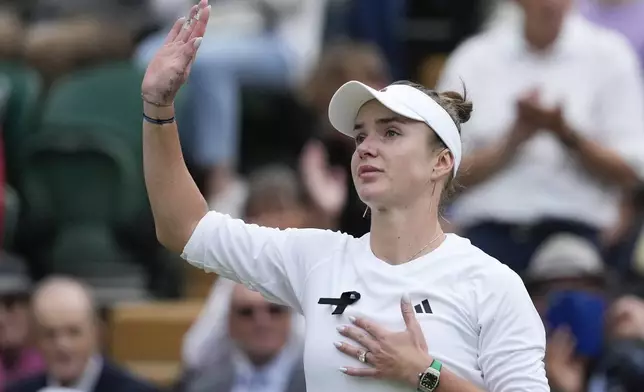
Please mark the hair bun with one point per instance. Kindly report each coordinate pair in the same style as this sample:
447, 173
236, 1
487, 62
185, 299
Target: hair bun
459, 104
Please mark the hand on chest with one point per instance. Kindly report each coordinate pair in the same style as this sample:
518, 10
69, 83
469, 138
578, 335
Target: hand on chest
443, 316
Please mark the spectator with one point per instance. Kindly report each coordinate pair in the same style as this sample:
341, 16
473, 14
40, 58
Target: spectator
261, 44
241, 342
276, 199
557, 135
18, 359
67, 328
58, 36
564, 262
621, 365
569, 265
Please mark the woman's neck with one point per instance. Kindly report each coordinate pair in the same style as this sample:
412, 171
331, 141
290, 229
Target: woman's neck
401, 235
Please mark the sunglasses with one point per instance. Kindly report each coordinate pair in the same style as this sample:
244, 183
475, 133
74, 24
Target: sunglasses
249, 312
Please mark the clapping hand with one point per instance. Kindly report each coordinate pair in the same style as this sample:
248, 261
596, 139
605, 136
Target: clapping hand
399, 356
170, 67
526, 124
565, 370
531, 112
326, 186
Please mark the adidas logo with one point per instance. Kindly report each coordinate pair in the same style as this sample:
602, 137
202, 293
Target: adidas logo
423, 307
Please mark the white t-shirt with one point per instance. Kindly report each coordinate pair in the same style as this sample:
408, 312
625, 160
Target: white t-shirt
482, 326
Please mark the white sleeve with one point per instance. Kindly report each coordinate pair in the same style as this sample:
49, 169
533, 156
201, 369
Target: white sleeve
620, 103
274, 262
512, 341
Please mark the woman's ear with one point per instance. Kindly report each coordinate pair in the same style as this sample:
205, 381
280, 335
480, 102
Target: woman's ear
443, 166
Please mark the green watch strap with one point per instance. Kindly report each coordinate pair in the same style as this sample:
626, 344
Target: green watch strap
436, 364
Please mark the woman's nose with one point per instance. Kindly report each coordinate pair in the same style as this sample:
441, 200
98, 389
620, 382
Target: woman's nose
366, 148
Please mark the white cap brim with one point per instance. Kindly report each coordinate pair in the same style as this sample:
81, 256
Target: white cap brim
348, 100
404, 100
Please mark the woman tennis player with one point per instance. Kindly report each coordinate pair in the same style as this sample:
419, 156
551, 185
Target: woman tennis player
467, 323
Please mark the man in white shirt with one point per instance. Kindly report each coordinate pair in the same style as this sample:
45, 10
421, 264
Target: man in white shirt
557, 133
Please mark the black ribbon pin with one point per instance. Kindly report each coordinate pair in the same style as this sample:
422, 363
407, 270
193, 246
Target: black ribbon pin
347, 298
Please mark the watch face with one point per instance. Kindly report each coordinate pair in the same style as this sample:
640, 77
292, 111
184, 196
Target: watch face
429, 382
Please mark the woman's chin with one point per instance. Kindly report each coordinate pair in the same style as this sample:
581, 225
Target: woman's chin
371, 194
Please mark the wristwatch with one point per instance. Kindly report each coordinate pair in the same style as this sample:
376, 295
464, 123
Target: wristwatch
428, 380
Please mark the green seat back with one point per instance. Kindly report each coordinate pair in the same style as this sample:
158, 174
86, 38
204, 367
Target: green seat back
73, 175
108, 95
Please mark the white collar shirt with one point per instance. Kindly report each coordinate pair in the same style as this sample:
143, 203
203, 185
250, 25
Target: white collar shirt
594, 74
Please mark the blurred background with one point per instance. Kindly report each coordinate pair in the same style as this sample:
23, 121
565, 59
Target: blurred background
90, 301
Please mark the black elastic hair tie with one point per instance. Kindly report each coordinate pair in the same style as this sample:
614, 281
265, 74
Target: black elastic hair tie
158, 121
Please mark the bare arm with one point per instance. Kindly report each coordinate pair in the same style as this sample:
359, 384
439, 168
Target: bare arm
485, 162
177, 204
599, 160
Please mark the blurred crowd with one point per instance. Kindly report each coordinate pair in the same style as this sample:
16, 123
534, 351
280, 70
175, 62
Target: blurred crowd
552, 180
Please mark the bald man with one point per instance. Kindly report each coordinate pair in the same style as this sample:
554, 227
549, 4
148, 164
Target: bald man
67, 331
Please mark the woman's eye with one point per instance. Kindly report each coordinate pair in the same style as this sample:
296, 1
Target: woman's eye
360, 138
391, 133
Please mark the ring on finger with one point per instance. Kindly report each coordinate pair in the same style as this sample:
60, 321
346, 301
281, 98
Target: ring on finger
362, 356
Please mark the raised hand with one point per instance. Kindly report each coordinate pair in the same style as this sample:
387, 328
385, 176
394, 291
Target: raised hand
170, 67
565, 370
327, 186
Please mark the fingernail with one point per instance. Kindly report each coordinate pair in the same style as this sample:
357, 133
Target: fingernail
198, 14
341, 328
343, 370
352, 319
337, 344
405, 299
186, 24
198, 42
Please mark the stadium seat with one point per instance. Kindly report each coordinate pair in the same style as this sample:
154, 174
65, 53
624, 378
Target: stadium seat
82, 185
147, 337
108, 95
22, 113
75, 176
83, 169
104, 99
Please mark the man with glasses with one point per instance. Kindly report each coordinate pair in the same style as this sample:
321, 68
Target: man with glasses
243, 343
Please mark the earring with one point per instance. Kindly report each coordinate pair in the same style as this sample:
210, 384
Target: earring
365, 212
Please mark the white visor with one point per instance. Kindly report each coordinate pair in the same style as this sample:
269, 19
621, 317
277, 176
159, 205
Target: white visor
404, 100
